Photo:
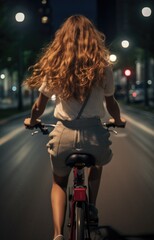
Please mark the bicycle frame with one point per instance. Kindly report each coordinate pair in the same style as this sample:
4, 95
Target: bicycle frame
79, 214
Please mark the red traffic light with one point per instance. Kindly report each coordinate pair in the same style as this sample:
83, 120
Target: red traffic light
127, 72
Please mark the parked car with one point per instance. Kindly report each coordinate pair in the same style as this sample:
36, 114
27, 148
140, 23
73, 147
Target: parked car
136, 93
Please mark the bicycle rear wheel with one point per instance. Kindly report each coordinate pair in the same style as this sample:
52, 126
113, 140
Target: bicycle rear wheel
80, 221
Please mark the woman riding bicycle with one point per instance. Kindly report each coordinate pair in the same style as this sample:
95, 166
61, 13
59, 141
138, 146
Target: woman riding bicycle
74, 64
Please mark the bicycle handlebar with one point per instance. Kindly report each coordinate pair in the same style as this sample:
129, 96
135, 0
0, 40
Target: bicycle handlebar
43, 127
108, 125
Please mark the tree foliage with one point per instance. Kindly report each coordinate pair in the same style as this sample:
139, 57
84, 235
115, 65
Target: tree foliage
27, 37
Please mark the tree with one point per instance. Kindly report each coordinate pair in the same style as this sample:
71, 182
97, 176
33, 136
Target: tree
28, 34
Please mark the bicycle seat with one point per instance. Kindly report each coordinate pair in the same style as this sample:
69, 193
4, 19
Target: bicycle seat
80, 160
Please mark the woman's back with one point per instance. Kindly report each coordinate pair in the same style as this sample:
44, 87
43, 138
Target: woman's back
74, 62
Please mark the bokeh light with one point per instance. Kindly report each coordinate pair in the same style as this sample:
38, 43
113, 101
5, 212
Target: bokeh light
146, 11
125, 43
20, 17
113, 58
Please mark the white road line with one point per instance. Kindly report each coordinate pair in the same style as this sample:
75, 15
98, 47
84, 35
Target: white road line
49, 110
139, 125
11, 135
121, 135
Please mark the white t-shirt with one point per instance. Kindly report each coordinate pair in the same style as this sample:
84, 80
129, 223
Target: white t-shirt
68, 109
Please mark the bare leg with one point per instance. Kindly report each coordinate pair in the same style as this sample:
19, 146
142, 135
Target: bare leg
94, 178
58, 202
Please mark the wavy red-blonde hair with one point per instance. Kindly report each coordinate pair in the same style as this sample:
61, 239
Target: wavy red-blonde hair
74, 61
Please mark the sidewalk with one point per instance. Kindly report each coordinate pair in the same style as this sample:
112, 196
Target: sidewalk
9, 109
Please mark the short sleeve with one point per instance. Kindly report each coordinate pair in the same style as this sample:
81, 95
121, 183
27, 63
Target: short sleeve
109, 87
46, 91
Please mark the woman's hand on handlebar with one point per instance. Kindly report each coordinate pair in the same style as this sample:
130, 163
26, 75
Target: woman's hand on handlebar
29, 124
118, 123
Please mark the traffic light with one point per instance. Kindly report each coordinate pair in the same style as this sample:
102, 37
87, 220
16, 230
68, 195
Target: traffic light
127, 72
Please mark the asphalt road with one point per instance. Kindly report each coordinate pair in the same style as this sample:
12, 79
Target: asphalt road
126, 197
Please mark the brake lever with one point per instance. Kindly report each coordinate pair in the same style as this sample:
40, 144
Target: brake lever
112, 130
35, 132
44, 130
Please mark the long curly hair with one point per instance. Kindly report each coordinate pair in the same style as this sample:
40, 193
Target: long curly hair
74, 61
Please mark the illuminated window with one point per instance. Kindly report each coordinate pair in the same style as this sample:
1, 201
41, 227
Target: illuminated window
44, 1
44, 19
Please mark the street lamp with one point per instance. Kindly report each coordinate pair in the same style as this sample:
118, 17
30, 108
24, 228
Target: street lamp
127, 73
125, 43
146, 12
20, 17
113, 58
2, 76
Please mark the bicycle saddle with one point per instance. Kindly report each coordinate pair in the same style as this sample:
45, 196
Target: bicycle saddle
80, 159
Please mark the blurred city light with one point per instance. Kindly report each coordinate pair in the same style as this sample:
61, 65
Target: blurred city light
125, 43
20, 17
146, 11
44, 1
127, 72
113, 58
2, 76
44, 19
9, 59
53, 97
149, 82
14, 88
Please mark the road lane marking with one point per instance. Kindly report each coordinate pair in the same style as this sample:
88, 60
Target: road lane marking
18, 130
121, 135
139, 125
9, 136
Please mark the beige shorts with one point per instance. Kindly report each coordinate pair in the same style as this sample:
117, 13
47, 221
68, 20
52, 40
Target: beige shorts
78, 136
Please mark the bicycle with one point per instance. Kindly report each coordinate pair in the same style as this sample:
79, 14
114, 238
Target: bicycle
79, 221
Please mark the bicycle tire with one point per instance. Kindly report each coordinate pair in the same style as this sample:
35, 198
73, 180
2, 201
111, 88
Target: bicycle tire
80, 221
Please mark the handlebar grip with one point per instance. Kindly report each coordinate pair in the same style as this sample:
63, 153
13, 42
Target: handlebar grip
108, 125
42, 127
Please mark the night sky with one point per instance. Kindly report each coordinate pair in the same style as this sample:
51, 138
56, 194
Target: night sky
62, 9
102, 12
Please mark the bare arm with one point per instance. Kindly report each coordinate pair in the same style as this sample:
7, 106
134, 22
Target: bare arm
114, 110
37, 110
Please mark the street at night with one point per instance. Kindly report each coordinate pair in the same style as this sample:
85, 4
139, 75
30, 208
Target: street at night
107, 51
126, 194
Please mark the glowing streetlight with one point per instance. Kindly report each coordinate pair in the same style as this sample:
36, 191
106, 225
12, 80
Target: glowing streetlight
146, 12
44, 1
20, 17
44, 19
2, 76
113, 58
125, 43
